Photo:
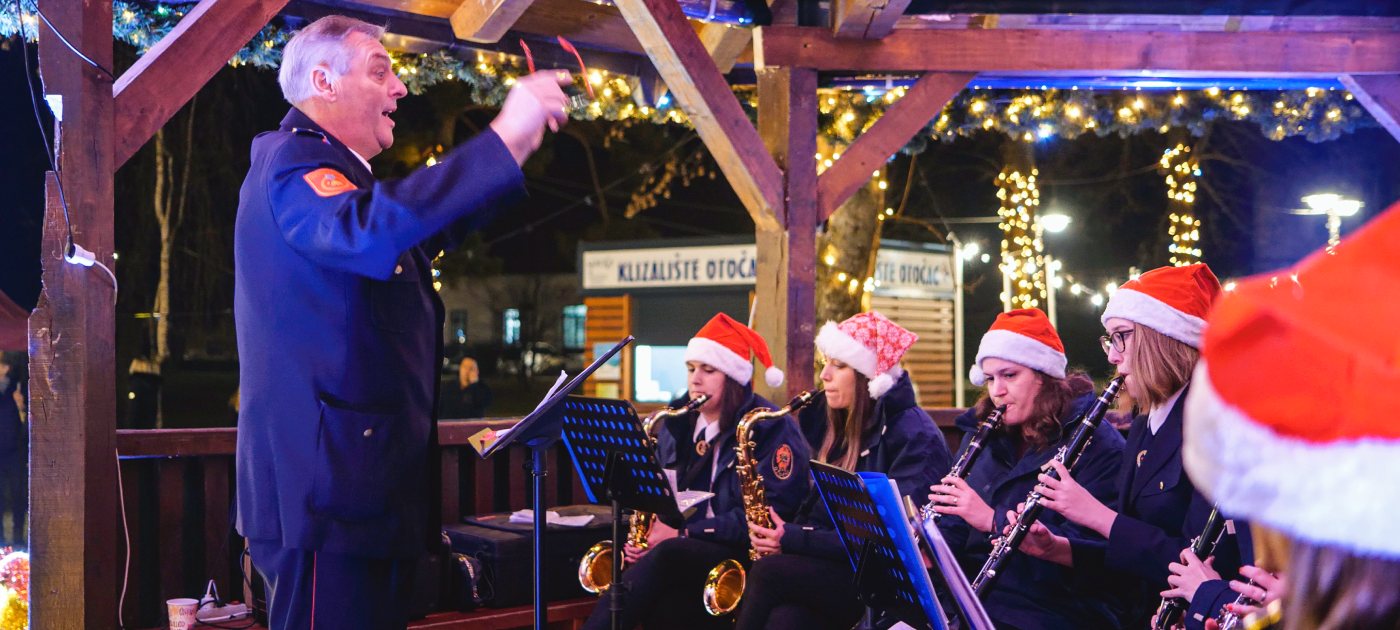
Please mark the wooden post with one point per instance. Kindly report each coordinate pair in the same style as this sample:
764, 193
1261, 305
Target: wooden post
785, 298
73, 489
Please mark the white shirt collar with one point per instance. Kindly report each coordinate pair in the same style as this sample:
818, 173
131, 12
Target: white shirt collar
1158, 415
362, 160
711, 429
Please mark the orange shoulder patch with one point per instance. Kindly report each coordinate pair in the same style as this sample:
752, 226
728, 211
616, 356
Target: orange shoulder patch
328, 182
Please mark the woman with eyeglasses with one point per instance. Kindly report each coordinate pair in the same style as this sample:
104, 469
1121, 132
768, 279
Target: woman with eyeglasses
1022, 363
1154, 325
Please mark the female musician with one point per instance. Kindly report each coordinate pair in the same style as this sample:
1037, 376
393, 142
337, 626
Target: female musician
1289, 423
1022, 362
1154, 326
665, 584
870, 422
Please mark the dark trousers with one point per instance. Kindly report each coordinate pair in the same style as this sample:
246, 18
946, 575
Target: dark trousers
665, 588
14, 494
799, 592
309, 590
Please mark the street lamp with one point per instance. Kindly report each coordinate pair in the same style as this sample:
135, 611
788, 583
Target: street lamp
1334, 206
1055, 222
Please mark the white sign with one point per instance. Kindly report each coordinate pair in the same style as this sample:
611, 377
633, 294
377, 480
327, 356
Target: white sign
913, 274
705, 266
898, 273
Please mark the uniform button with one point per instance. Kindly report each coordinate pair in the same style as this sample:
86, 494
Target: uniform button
369, 432
398, 269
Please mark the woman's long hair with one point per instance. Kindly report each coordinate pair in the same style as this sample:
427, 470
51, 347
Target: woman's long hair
844, 436
1160, 366
733, 397
1330, 588
1052, 402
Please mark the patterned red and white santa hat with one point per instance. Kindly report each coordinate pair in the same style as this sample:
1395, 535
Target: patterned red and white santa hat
1024, 337
728, 346
1173, 301
871, 344
1289, 420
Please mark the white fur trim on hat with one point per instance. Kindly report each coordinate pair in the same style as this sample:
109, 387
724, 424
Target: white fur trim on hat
1018, 349
836, 344
880, 385
716, 355
1335, 493
773, 377
1145, 310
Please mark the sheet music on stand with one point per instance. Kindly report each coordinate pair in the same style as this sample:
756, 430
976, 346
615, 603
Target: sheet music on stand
870, 520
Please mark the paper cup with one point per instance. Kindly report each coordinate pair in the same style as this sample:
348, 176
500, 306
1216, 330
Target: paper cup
181, 612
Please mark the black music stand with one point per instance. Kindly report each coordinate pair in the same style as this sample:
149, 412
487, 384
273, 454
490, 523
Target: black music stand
616, 463
539, 431
889, 572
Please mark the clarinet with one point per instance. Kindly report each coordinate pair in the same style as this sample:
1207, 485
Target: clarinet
968, 455
1068, 456
1170, 610
1229, 620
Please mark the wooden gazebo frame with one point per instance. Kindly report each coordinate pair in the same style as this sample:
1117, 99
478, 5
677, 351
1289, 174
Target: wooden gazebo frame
76, 535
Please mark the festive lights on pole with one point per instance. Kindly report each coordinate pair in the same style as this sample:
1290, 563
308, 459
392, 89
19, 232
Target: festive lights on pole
1022, 249
1181, 171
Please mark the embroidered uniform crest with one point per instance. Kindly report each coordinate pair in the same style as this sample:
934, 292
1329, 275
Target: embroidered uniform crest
782, 462
702, 447
328, 182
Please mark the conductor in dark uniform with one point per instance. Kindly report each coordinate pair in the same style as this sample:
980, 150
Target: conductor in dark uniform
339, 328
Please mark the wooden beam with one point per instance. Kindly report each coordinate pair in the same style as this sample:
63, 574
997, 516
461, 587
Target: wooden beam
866, 19
73, 490
785, 297
1322, 54
1380, 95
1150, 22
486, 21
901, 121
725, 42
587, 25
706, 98
169, 74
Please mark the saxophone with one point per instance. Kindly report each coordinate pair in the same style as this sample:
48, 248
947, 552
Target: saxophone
724, 586
595, 568
1068, 455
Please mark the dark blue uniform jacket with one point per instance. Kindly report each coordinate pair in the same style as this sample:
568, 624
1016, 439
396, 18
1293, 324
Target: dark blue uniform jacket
783, 492
1160, 511
904, 444
1033, 593
340, 336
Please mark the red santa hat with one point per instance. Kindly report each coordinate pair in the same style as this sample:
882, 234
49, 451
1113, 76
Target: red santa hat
1024, 337
728, 346
1289, 422
1173, 301
871, 344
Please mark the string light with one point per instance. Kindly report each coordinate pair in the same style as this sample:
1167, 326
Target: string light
1181, 171
1022, 250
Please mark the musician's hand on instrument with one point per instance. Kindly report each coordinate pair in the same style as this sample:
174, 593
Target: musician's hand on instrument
1187, 575
1266, 588
768, 541
659, 532
954, 496
1071, 500
1039, 542
632, 554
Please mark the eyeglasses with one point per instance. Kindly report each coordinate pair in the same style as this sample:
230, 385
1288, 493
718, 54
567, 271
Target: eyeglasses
576, 101
1116, 341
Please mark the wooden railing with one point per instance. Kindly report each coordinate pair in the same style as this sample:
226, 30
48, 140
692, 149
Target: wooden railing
178, 485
